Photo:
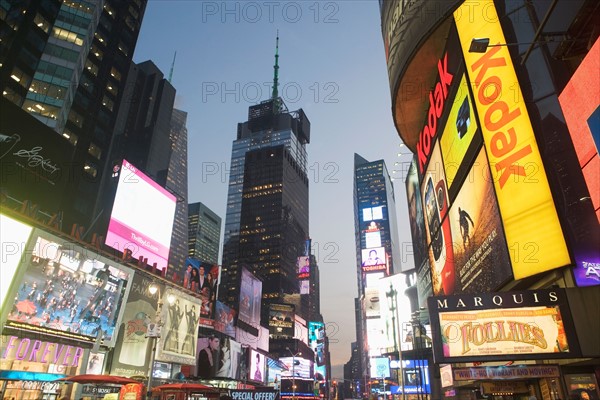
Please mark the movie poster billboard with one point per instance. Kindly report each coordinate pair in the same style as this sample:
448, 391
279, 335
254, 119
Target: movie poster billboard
67, 291
142, 216
250, 298
522, 189
203, 279
281, 320
224, 319
481, 258
439, 236
180, 314
502, 326
218, 356
15, 235
132, 352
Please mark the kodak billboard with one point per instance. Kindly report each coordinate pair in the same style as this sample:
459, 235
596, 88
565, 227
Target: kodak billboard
533, 233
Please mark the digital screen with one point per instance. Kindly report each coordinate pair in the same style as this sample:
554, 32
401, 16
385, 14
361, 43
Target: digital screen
374, 259
394, 311
316, 341
14, 236
224, 319
372, 301
301, 369
281, 320
304, 287
380, 367
161, 370
376, 339
203, 278
372, 213
372, 239
416, 376
257, 366
303, 267
220, 356
67, 301
142, 217
250, 298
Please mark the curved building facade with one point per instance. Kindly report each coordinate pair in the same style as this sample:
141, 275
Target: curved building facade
499, 102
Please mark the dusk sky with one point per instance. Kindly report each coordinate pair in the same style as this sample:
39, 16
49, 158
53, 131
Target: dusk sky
332, 65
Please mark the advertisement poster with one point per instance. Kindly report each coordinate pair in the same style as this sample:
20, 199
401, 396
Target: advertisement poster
141, 218
281, 320
180, 331
524, 198
374, 259
380, 367
224, 319
203, 279
416, 376
316, 341
415, 214
481, 257
68, 291
257, 366
439, 236
132, 352
391, 292
502, 326
218, 356
460, 137
303, 267
250, 298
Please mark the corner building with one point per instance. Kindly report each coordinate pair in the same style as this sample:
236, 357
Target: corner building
498, 102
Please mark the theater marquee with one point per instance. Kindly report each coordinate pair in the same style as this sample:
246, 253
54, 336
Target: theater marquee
501, 326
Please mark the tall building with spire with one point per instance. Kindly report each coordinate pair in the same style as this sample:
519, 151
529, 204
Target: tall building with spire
266, 223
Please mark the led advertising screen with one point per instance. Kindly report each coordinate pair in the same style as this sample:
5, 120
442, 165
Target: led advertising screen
303, 267
416, 376
257, 366
304, 287
395, 311
415, 214
219, 356
281, 320
224, 319
180, 313
14, 236
372, 301
130, 355
520, 180
142, 217
374, 259
372, 213
460, 137
439, 236
250, 298
376, 339
203, 278
502, 326
380, 367
481, 258
316, 341
301, 369
54, 298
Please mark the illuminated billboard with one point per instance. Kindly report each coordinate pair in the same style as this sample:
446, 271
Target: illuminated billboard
316, 341
391, 292
303, 267
203, 278
281, 320
521, 184
257, 366
502, 326
224, 319
481, 258
180, 314
130, 355
439, 236
250, 298
380, 367
372, 213
416, 376
67, 291
219, 356
14, 236
374, 259
142, 217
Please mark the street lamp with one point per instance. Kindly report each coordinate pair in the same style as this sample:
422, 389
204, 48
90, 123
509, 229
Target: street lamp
154, 328
294, 371
392, 295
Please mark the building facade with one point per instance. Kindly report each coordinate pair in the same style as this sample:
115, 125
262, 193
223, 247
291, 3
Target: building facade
204, 233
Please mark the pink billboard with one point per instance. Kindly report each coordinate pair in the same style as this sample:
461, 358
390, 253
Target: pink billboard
142, 217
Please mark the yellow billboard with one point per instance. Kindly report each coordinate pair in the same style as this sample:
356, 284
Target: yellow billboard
533, 232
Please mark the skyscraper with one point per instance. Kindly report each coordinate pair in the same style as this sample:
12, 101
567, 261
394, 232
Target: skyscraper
66, 63
204, 233
377, 245
266, 223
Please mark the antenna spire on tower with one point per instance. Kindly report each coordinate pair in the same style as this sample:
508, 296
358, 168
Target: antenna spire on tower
275, 94
172, 67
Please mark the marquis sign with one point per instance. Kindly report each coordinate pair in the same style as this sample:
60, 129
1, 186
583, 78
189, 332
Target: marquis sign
501, 326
